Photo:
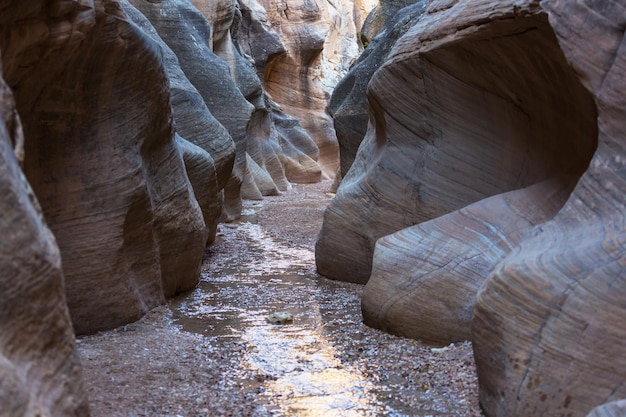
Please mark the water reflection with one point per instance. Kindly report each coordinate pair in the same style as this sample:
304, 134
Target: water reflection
310, 380
299, 368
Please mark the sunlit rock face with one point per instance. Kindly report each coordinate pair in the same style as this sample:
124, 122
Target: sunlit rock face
548, 325
207, 148
234, 94
304, 49
272, 128
39, 367
457, 116
348, 104
101, 158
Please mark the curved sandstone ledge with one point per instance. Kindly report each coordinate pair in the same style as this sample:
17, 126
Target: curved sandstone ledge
207, 148
474, 101
425, 278
548, 334
612, 409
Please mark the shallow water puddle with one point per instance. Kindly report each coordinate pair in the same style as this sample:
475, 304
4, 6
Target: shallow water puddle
296, 367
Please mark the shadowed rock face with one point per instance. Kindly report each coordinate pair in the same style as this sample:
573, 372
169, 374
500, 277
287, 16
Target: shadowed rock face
206, 146
187, 32
490, 96
548, 324
425, 278
348, 105
39, 368
101, 158
234, 93
455, 117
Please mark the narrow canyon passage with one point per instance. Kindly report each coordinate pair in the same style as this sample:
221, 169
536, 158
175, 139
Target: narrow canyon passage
212, 352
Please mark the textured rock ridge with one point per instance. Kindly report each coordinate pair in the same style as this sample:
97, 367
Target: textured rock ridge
612, 409
234, 93
497, 129
475, 120
303, 45
101, 158
207, 148
547, 326
187, 32
39, 367
348, 104
425, 278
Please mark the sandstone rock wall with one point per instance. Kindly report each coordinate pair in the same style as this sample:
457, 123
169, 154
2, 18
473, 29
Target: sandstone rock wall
455, 117
526, 97
425, 278
207, 148
187, 32
135, 131
348, 104
304, 46
547, 325
101, 158
39, 367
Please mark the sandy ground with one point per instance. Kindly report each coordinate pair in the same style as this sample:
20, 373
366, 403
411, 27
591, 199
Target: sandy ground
211, 352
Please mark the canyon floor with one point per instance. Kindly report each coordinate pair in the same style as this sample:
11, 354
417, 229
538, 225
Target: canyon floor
212, 352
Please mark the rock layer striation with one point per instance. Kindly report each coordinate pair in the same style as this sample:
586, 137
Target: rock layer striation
101, 158
39, 367
490, 176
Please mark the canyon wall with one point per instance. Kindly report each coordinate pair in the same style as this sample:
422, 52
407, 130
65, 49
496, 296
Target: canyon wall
144, 126
101, 158
348, 105
126, 134
39, 368
483, 201
304, 49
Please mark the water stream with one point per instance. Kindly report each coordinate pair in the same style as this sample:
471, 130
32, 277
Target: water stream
300, 367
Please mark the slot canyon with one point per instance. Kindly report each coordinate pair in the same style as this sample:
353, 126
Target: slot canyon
309, 208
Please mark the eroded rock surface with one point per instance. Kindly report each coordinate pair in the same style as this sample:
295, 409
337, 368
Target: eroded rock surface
455, 117
547, 327
39, 368
304, 45
522, 101
348, 104
187, 32
425, 278
101, 157
207, 148
612, 409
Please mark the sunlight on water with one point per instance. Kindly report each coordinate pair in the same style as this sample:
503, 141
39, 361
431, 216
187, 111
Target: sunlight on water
304, 376
310, 381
